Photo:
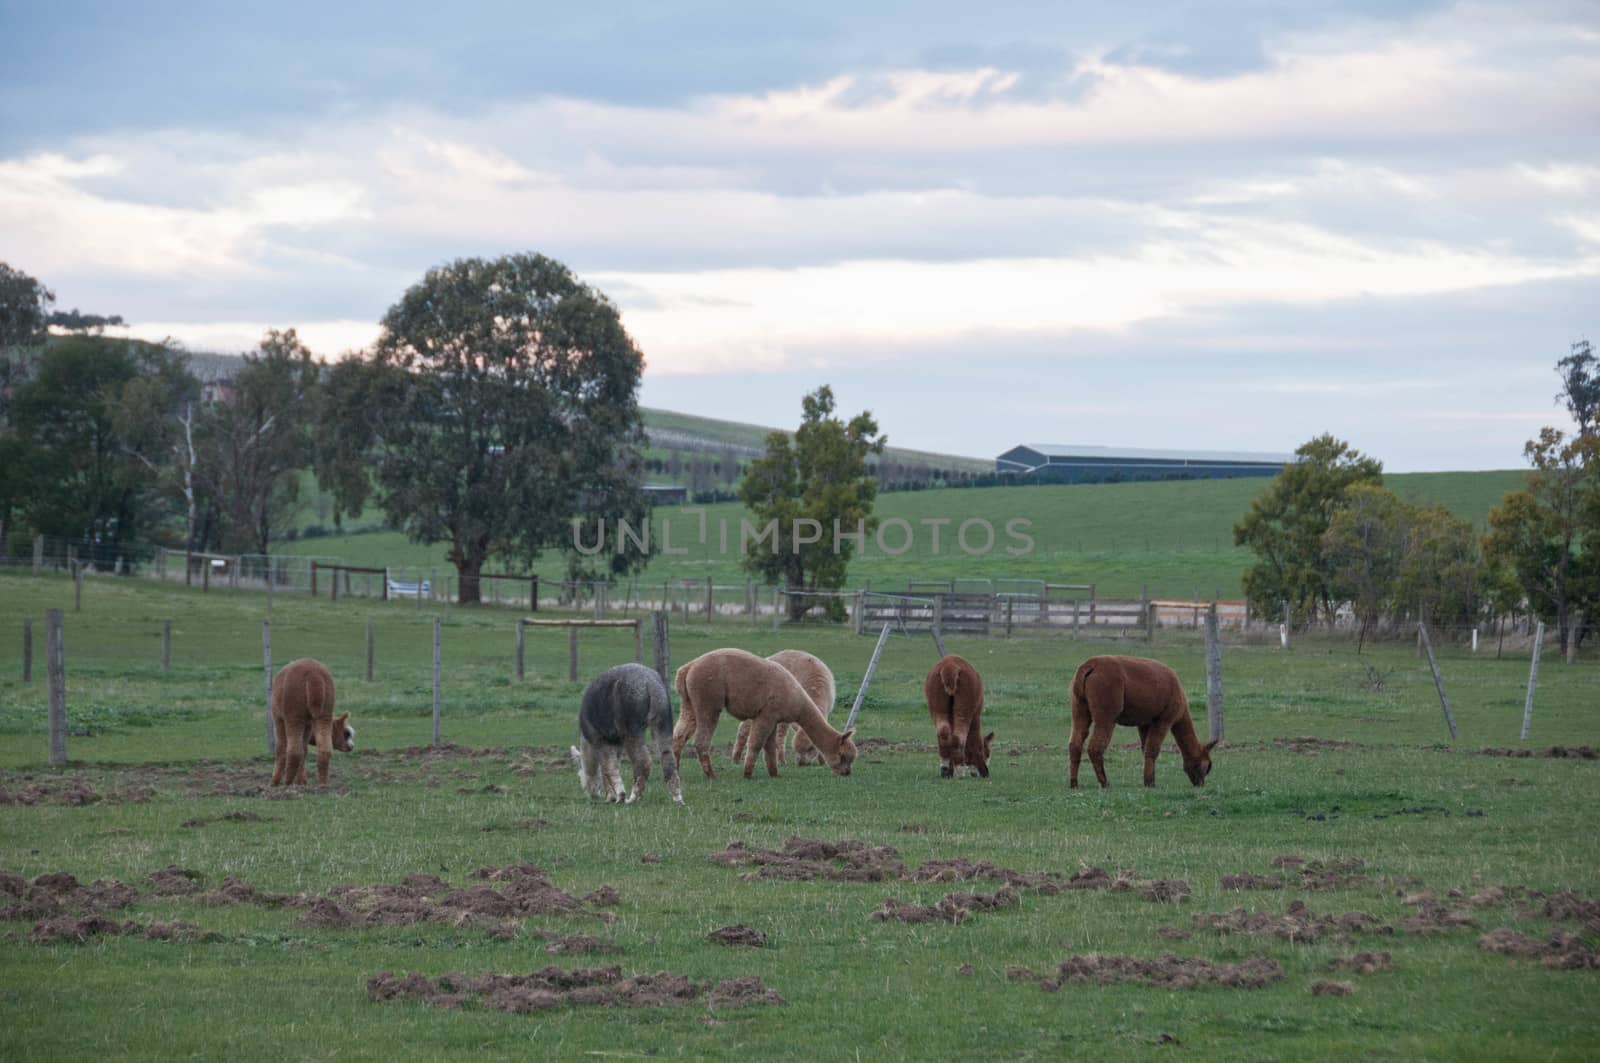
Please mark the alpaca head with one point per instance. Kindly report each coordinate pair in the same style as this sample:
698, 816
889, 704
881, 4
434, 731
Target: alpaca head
344, 736
840, 761
985, 744
1198, 768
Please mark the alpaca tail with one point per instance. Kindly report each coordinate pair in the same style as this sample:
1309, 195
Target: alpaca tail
1080, 699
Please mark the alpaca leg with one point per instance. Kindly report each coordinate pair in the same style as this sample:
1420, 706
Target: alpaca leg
683, 728
705, 730
1080, 729
669, 765
958, 739
942, 735
611, 774
1152, 736
294, 763
588, 769
739, 740
280, 753
783, 743
640, 756
761, 729
324, 731
1099, 741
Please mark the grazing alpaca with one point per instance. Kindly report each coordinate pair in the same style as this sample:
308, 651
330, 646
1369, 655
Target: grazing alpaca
817, 680
624, 709
755, 689
954, 692
1138, 693
302, 712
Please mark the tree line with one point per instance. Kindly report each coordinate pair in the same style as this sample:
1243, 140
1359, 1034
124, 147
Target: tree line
1330, 537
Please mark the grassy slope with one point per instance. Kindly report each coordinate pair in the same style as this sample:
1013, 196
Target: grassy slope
1174, 538
754, 435
883, 989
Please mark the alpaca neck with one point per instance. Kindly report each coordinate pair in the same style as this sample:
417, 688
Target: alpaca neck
1189, 743
810, 720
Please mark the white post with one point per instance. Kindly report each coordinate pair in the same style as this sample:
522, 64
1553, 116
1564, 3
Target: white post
436, 681
1474, 640
866, 680
1533, 680
266, 665
1213, 673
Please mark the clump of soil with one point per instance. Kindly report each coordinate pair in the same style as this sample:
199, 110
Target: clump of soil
603, 897
75, 929
1555, 752
1561, 950
58, 892
1247, 881
230, 817
557, 987
867, 745
966, 969
649, 858
1170, 972
1289, 861
1311, 746
739, 935
804, 859
325, 914
70, 791
1095, 878
1433, 917
576, 944
1567, 906
1332, 989
174, 881
235, 891
960, 869
1172, 933
952, 907
1164, 890
1297, 923
1363, 963
179, 930
913, 828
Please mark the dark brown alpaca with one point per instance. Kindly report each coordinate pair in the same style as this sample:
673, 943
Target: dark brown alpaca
1138, 693
954, 692
302, 712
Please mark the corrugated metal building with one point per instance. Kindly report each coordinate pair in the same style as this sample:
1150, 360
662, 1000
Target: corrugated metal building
1092, 464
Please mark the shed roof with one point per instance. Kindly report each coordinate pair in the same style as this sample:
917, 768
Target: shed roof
1062, 450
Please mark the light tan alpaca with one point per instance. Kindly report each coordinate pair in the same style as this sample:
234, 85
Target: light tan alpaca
817, 680
302, 711
755, 689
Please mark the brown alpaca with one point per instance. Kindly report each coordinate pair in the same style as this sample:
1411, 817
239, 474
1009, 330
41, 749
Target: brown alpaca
302, 712
817, 680
1138, 693
755, 689
954, 692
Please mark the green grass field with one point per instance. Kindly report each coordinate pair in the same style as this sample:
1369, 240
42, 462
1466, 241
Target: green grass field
1174, 538
1385, 787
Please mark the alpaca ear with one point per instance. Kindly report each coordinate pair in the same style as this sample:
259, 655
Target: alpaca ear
341, 718
989, 737
847, 734
1211, 744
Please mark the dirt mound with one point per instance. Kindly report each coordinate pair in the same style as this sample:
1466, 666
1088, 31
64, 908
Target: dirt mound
58, 892
649, 858
1555, 752
324, 914
952, 907
1363, 963
1311, 746
1172, 933
70, 791
1433, 917
603, 897
235, 891
1562, 949
1247, 881
960, 869
557, 987
576, 944
1170, 972
75, 929
1297, 923
1332, 989
1567, 906
174, 881
739, 935
177, 930
877, 745
804, 859
913, 828
1288, 861
1164, 890
1095, 878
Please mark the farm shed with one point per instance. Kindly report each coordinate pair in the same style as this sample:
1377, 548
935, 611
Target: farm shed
1093, 464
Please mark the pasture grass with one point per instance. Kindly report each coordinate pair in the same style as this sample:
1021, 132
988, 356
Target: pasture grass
1172, 539
1420, 811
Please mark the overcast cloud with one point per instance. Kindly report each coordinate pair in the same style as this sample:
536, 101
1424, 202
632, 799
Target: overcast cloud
1228, 228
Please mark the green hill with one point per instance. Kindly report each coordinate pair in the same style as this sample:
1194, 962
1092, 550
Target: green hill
1173, 539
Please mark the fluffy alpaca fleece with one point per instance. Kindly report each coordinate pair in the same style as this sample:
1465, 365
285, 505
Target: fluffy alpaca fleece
755, 689
1138, 693
626, 708
302, 712
954, 692
817, 680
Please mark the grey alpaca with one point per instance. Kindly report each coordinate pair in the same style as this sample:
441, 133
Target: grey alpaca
626, 708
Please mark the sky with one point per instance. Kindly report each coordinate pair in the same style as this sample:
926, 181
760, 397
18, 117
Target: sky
1220, 226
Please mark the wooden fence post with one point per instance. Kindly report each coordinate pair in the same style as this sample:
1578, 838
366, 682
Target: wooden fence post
521, 628
750, 599
38, 553
1150, 622
369, 641
1008, 618
77, 588
436, 682
313, 579
858, 612
638, 641
1438, 684
660, 646
1533, 680
1214, 673
866, 680
1075, 607
1091, 604
1572, 636
266, 667
166, 645
711, 594
533, 594
572, 654
55, 648
27, 649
